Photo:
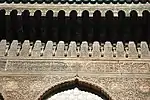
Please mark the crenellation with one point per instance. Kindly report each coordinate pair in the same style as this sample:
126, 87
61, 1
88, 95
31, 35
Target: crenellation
13, 48
127, 8
36, 52
120, 49
96, 49
25, 48
48, 52
108, 49
132, 50
73, 49
145, 53
60, 49
2, 47
84, 49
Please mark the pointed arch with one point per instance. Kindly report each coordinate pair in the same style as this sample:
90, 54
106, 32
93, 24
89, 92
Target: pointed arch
76, 83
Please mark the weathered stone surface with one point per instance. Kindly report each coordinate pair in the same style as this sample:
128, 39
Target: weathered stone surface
60, 49
132, 50
96, 50
27, 78
84, 50
123, 88
48, 52
13, 48
32, 87
2, 47
36, 67
120, 49
145, 53
25, 48
2, 66
72, 51
108, 50
45, 66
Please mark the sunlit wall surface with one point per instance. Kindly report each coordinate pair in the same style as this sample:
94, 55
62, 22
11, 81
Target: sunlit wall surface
74, 94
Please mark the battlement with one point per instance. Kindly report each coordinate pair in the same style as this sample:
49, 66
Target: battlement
79, 8
74, 49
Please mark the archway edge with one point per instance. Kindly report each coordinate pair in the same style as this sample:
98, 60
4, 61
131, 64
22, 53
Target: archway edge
76, 82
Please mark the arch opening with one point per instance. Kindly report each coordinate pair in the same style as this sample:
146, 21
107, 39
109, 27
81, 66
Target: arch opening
76, 89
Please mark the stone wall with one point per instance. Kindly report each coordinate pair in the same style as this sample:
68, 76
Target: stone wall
28, 70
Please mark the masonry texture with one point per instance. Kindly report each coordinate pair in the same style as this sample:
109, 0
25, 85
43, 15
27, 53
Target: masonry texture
27, 70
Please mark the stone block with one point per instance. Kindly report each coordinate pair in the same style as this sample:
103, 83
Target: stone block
72, 51
84, 50
120, 49
96, 49
60, 49
108, 49
25, 48
132, 50
48, 52
2, 47
13, 48
145, 53
36, 49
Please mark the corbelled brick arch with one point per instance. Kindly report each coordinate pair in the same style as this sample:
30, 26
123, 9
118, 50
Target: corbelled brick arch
76, 83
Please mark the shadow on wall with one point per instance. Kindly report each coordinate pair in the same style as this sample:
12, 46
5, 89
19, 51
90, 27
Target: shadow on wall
1, 97
75, 28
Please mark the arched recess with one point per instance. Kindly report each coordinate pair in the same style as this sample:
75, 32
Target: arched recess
81, 85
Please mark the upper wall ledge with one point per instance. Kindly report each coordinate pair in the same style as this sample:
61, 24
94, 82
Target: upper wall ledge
74, 50
103, 8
